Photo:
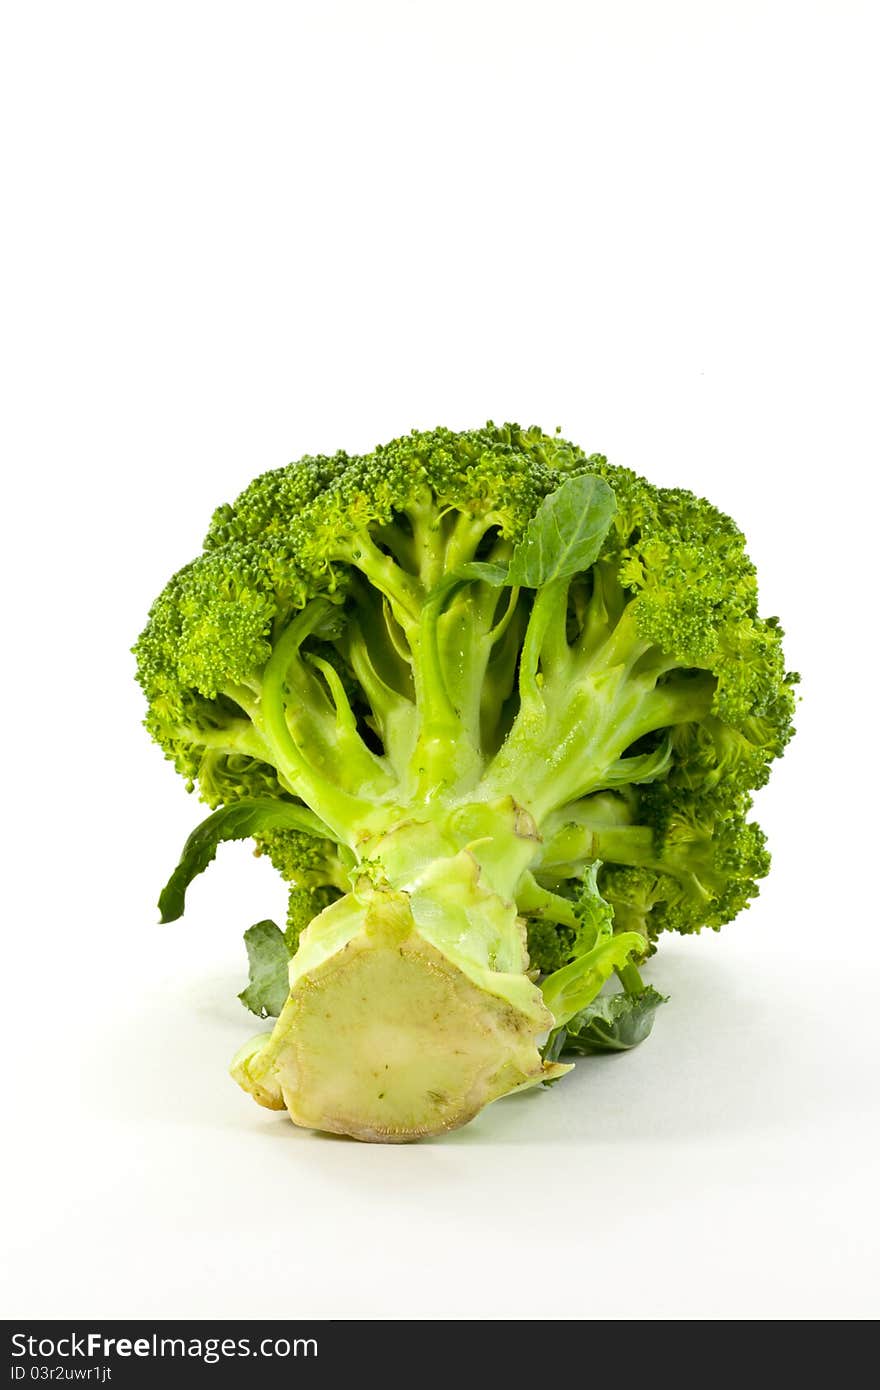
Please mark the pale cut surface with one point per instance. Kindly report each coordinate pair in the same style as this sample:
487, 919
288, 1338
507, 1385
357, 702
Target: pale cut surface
389, 1041
243, 1069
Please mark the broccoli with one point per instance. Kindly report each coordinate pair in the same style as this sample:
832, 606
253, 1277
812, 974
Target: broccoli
495, 710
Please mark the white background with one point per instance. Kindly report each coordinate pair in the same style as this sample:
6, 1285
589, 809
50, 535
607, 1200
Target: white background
238, 233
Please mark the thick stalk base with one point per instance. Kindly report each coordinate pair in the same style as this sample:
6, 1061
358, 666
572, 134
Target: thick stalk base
388, 1036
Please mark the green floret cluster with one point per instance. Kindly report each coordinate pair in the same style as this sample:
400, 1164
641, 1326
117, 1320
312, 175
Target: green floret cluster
486, 690
315, 871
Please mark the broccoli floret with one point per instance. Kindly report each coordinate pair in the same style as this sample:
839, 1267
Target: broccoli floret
495, 710
303, 906
304, 860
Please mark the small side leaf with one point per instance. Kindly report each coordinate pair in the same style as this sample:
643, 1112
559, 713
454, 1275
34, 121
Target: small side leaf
268, 960
566, 533
562, 539
642, 767
569, 990
485, 570
235, 822
612, 1023
595, 916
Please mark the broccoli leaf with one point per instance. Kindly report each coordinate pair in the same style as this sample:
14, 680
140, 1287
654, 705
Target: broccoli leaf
612, 1023
486, 570
563, 538
595, 916
569, 990
566, 533
268, 958
235, 822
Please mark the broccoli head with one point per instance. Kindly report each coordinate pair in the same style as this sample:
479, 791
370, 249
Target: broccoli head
495, 710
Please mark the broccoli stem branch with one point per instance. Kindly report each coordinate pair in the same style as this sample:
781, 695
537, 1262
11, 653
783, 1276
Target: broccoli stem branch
497, 632
630, 978
463, 541
374, 628
394, 633
574, 725
394, 715
577, 843
404, 593
237, 737
341, 811
245, 694
543, 638
604, 609
436, 707
535, 901
447, 753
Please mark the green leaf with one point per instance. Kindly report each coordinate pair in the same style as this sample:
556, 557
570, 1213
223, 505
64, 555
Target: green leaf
569, 990
594, 915
563, 538
612, 1023
268, 960
566, 533
485, 570
235, 822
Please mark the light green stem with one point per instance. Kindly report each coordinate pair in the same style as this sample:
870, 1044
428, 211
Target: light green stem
343, 812
533, 900
544, 616
630, 978
403, 591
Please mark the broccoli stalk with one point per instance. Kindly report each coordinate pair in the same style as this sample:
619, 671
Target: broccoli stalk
494, 710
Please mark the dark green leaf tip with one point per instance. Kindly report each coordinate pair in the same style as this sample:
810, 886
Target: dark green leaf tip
235, 822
